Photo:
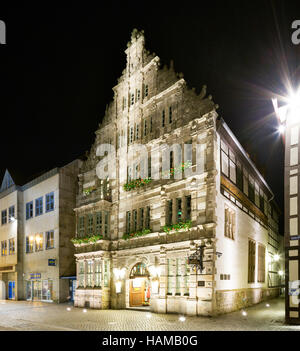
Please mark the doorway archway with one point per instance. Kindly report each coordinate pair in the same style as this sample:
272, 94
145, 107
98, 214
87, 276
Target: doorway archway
139, 286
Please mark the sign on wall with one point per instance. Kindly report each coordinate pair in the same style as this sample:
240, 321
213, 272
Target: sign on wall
35, 275
51, 262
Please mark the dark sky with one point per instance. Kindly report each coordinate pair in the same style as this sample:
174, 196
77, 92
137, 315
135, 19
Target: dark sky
59, 65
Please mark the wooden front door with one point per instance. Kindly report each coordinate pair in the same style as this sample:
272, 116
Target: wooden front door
137, 293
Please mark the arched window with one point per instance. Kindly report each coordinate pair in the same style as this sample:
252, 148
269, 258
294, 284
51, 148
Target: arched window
139, 270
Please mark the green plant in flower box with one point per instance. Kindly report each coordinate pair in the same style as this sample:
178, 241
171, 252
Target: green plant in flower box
136, 234
87, 239
136, 183
181, 225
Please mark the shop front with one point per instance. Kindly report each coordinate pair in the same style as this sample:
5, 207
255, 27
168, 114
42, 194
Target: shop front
38, 289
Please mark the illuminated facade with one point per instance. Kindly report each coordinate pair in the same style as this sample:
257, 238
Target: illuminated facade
183, 183
37, 222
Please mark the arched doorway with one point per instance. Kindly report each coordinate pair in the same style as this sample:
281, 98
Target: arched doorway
2, 290
139, 286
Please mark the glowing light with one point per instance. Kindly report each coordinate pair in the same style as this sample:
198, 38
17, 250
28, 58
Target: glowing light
280, 273
291, 109
84, 311
181, 319
244, 313
281, 129
118, 287
148, 315
68, 309
276, 257
267, 305
119, 273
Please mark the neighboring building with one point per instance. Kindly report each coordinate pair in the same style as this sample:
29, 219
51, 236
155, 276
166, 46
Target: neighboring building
133, 242
42, 268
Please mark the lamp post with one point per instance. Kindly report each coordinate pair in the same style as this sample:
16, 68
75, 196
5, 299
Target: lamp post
289, 118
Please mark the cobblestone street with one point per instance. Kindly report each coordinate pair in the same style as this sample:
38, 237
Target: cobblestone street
39, 316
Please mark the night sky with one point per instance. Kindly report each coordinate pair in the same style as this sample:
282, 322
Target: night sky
59, 65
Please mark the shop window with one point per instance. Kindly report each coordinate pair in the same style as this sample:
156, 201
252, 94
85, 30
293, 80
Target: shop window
98, 273
47, 286
106, 273
81, 274
89, 274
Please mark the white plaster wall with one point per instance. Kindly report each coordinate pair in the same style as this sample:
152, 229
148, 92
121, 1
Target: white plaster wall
9, 230
234, 259
37, 262
2, 290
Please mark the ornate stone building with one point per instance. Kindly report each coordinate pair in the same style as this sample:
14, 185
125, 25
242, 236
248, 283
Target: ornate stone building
182, 223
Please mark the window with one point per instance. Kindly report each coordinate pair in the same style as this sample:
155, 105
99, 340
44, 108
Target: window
170, 212
170, 114
251, 189
132, 99
131, 135
188, 201
81, 226
261, 264
81, 274
163, 118
106, 273
239, 176
151, 124
179, 210
89, 275
11, 213
4, 248
146, 90
171, 164
245, 181
39, 242
29, 244
148, 218
98, 223
177, 290
137, 131
138, 94
106, 224
251, 261
128, 219
169, 291
50, 239
50, 202
98, 273
29, 210
149, 167
4, 217
134, 220
141, 226
228, 162
11, 244
39, 206
90, 224
229, 223
145, 127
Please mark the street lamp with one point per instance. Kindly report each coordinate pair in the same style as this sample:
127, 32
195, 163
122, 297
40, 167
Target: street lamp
289, 118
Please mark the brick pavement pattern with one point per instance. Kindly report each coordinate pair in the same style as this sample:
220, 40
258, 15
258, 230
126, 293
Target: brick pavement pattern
38, 316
